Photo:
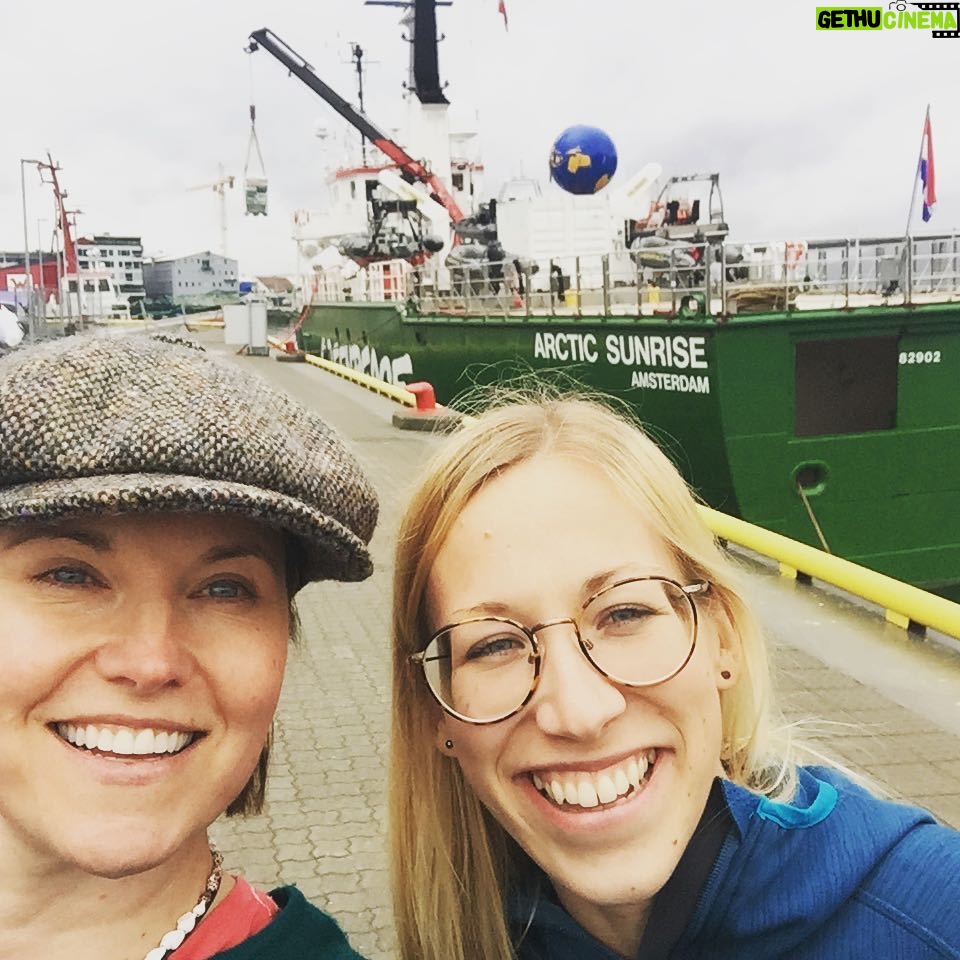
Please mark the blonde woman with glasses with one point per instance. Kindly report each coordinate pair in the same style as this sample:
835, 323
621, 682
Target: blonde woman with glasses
584, 764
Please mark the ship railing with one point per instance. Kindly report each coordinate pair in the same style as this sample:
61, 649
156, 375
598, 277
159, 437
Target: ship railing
379, 282
669, 279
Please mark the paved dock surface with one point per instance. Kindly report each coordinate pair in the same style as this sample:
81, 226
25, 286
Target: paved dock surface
882, 702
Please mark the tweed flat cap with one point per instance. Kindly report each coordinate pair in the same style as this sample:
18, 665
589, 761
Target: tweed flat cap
139, 423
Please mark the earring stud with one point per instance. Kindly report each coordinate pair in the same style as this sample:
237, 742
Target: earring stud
449, 744
725, 674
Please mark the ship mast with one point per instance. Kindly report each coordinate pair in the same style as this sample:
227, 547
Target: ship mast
420, 20
69, 247
356, 51
428, 126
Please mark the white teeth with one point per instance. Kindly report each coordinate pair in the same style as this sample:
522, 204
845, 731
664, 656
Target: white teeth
592, 789
621, 782
586, 794
642, 764
124, 741
606, 791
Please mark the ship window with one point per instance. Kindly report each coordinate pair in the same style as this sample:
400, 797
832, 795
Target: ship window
846, 386
458, 181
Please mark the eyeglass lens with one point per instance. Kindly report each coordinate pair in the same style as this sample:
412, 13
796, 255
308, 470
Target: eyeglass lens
639, 632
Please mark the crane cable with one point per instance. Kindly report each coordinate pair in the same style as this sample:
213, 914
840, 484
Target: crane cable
253, 143
254, 188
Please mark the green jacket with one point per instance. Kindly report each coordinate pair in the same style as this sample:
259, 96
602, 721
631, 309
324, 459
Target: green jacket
298, 932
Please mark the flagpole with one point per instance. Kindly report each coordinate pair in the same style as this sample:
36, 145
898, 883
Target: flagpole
916, 175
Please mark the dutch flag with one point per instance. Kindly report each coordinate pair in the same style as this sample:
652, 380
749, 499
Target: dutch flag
926, 171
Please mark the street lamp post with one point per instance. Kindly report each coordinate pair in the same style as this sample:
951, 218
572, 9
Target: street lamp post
96, 301
58, 255
42, 303
26, 245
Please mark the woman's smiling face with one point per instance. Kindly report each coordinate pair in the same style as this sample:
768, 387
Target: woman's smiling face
533, 544
143, 657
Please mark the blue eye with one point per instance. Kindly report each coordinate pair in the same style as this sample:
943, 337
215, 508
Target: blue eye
625, 614
67, 576
495, 646
228, 590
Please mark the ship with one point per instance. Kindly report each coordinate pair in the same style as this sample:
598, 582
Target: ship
807, 386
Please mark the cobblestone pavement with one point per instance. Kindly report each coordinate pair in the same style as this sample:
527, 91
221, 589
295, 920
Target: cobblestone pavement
323, 826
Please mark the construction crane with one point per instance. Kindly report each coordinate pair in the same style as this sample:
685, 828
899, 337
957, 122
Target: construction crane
220, 187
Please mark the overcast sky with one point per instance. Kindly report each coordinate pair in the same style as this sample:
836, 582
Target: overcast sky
813, 133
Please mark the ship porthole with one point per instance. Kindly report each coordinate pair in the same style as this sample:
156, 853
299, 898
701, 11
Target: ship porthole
811, 477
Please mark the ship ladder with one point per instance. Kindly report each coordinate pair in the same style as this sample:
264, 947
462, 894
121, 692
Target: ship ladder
813, 518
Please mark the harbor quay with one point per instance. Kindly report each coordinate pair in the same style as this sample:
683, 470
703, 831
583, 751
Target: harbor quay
881, 702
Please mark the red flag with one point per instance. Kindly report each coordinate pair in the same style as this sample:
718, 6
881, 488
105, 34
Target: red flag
502, 8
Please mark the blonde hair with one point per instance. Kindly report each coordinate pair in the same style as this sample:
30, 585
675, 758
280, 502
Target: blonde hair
452, 863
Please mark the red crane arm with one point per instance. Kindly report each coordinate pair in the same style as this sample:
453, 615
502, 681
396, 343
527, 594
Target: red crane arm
69, 247
411, 170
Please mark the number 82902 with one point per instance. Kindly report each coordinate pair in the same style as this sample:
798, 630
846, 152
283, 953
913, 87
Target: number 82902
919, 356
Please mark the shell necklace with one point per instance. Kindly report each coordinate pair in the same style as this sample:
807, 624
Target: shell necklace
188, 922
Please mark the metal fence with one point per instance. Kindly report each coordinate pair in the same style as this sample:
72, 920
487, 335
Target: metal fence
659, 277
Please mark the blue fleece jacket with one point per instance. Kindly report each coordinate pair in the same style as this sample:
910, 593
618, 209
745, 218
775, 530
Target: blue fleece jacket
836, 874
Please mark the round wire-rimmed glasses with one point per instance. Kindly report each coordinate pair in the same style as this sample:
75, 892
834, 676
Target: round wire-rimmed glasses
636, 632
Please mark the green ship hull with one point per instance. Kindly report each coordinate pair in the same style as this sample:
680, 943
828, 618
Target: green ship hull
836, 427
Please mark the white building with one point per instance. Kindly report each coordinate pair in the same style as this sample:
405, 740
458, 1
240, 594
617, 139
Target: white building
121, 257
197, 278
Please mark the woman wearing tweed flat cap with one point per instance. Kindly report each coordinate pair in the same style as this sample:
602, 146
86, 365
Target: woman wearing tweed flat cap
159, 509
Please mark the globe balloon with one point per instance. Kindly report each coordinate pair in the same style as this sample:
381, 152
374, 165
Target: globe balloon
582, 159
